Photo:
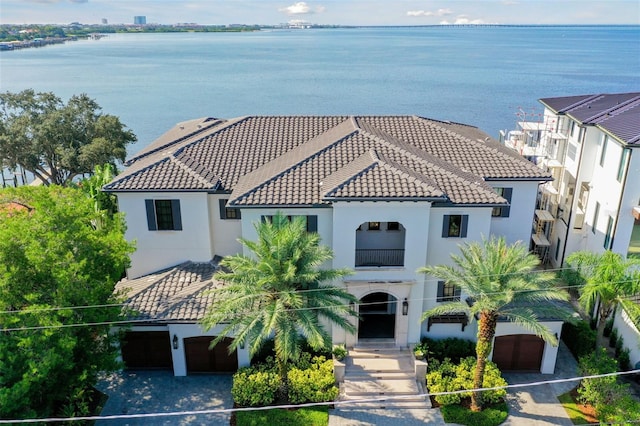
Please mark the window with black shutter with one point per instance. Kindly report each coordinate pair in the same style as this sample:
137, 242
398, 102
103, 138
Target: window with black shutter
455, 225
163, 215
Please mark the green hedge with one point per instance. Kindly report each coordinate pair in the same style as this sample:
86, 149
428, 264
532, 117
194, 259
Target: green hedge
452, 347
313, 384
447, 377
579, 338
491, 416
255, 386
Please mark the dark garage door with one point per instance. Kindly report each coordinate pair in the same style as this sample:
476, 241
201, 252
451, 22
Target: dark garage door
518, 352
202, 360
147, 350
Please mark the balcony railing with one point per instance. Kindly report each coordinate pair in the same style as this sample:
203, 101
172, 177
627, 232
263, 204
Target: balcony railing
379, 257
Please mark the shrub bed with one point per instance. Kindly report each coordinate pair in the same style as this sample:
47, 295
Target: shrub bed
451, 347
579, 338
446, 376
491, 416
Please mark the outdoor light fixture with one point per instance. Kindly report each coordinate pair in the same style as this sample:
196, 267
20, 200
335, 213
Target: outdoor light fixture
175, 342
405, 306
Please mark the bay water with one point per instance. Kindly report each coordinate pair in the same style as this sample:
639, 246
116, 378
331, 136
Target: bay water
483, 76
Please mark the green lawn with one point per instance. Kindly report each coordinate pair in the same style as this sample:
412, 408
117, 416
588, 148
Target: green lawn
311, 416
490, 416
575, 411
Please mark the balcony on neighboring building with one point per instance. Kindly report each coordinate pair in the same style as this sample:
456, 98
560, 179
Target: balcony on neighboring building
380, 244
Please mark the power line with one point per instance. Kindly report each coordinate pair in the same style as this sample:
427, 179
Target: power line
312, 404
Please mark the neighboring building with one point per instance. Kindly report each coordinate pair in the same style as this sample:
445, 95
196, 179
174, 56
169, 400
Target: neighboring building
589, 144
140, 20
388, 194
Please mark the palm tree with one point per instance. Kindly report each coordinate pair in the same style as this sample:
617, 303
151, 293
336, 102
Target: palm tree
501, 283
279, 292
609, 280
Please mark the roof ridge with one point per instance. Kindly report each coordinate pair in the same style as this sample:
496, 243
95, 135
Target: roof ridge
414, 176
195, 174
581, 102
350, 171
279, 166
614, 109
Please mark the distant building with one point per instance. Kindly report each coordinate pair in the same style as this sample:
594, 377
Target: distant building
104, 21
140, 20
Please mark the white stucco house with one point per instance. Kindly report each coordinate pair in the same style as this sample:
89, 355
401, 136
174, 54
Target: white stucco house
388, 194
589, 143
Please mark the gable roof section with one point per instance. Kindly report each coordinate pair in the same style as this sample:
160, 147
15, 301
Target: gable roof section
617, 114
286, 161
175, 294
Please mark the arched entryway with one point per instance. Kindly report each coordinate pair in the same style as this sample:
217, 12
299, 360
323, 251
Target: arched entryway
377, 316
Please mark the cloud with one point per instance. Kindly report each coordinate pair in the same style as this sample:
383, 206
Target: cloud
464, 20
79, 1
299, 8
439, 12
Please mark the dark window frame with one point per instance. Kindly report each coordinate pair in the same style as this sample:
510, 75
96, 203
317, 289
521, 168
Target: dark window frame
228, 213
603, 153
623, 164
503, 211
596, 213
393, 226
447, 292
312, 221
163, 214
449, 226
608, 238
373, 226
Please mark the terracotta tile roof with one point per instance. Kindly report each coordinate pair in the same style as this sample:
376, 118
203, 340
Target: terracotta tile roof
280, 161
174, 294
617, 113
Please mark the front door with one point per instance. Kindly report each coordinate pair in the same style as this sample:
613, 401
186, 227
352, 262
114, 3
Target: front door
377, 316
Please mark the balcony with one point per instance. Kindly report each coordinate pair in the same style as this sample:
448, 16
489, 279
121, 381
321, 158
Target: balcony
379, 257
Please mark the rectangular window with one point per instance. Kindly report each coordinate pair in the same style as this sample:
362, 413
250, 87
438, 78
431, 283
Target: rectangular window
596, 212
163, 215
623, 164
393, 226
447, 292
603, 153
455, 225
572, 150
607, 237
311, 221
228, 212
557, 249
573, 128
503, 211
374, 226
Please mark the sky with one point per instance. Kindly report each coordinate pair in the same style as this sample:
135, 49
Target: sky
336, 12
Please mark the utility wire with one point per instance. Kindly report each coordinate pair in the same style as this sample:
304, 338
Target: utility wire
311, 404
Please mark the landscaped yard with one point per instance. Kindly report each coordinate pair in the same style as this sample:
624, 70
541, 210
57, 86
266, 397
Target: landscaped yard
312, 416
578, 413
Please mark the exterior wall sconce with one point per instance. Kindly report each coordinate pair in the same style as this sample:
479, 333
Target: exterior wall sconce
175, 342
405, 306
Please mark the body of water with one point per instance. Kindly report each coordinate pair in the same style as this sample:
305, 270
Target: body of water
475, 75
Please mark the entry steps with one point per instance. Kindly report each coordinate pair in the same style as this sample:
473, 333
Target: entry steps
379, 371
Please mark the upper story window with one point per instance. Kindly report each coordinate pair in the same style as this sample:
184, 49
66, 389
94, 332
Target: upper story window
623, 164
505, 210
312, 221
455, 225
163, 215
572, 128
596, 212
393, 226
603, 153
374, 226
608, 236
228, 212
572, 150
447, 292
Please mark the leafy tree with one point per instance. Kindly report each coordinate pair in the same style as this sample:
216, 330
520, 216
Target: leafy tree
57, 141
53, 258
609, 280
279, 292
501, 283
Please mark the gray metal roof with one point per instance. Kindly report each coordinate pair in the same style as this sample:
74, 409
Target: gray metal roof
312, 160
617, 113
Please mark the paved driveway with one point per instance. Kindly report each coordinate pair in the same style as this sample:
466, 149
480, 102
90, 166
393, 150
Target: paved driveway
161, 392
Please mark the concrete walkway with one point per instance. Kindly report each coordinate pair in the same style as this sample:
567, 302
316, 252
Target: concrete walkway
161, 392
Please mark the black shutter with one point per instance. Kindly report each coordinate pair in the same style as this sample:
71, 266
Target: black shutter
312, 223
506, 194
440, 291
456, 292
223, 209
175, 213
463, 226
151, 215
445, 226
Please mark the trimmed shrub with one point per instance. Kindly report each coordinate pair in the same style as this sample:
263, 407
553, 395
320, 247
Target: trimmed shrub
619, 345
624, 360
490, 416
613, 338
452, 347
447, 377
255, 386
608, 326
313, 384
579, 338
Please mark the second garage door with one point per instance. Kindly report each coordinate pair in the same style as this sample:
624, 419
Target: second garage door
518, 352
147, 350
202, 360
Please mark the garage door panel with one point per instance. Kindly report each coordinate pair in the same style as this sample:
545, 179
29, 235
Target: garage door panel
518, 352
147, 350
201, 359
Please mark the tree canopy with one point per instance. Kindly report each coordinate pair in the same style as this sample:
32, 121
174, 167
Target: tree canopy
57, 141
279, 292
501, 282
54, 260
